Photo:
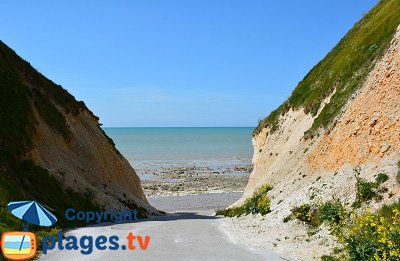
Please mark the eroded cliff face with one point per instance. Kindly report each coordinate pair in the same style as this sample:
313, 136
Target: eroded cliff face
45, 134
87, 162
366, 134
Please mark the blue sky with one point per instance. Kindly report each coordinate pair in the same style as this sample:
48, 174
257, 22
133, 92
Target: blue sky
177, 63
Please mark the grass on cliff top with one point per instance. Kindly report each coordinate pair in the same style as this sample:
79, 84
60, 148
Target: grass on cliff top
21, 89
345, 68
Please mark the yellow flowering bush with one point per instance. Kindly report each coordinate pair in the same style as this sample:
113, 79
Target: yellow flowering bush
308, 214
372, 236
263, 205
259, 202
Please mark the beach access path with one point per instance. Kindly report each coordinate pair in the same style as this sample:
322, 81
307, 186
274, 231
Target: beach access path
189, 232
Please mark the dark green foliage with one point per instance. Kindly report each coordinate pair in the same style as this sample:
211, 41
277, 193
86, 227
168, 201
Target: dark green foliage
33, 182
24, 93
21, 87
16, 117
375, 236
287, 218
332, 211
398, 172
329, 258
258, 203
345, 68
381, 178
308, 214
366, 191
387, 210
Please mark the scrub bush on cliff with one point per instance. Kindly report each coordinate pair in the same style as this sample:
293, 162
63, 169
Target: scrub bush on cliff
373, 236
258, 203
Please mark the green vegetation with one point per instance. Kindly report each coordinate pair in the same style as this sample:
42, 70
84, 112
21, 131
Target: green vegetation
21, 86
258, 203
398, 172
332, 212
308, 214
371, 236
22, 89
364, 235
329, 258
345, 68
33, 182
366, 191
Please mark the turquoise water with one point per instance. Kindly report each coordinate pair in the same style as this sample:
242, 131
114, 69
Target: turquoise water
144, 147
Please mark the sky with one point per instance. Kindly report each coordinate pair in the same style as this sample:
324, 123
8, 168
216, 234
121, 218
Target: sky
204, 63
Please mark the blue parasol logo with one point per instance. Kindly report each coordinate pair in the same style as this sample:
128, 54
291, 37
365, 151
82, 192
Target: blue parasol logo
32, 213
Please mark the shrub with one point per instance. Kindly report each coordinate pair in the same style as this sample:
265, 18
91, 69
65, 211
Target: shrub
329, 258
307, 214
381, 178
332, 212
373, 236
287, 218
258, 203
398, 172
302, 212
366, 191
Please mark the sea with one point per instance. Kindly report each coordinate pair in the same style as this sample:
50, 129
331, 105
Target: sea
155, 148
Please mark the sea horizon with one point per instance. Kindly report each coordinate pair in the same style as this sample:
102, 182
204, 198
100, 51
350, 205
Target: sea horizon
155, 148
143, 127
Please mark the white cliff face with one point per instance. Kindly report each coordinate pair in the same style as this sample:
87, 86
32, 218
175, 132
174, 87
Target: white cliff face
365, 135
276, 155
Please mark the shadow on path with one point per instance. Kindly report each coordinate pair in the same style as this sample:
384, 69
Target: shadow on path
166, 217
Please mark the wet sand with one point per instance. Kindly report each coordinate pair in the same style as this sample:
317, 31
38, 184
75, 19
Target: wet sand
189, 180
